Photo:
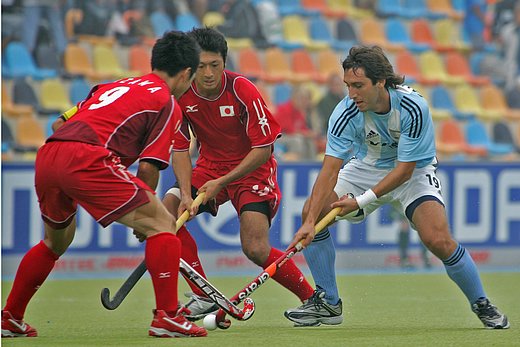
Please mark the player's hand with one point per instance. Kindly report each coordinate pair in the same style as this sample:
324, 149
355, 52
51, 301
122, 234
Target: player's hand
211, 188
185, 204
347, 203
305, 235
139, 235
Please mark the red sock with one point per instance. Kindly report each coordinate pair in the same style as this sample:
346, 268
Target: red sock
190, 255
162, 254
32, 272
290, 276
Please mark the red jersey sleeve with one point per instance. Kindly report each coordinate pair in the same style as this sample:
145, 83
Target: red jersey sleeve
261, 127
182, 137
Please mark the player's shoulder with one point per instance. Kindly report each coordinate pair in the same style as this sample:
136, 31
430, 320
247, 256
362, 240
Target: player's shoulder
240, 84
345, 114
407, 96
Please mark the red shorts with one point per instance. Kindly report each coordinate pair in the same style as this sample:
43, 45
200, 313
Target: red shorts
258, 186
71, 173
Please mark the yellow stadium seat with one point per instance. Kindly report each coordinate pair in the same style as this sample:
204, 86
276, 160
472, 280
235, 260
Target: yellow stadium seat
77, 62
433, 69
212, 19
347, 8
448, 36
54, 95
106, 62
467, 100
295, 31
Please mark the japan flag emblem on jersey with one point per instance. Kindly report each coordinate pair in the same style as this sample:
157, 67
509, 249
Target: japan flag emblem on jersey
227, 111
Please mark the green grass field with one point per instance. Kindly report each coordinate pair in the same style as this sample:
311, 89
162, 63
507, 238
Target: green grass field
421, 309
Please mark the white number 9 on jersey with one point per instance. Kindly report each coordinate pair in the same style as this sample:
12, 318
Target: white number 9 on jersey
109, 97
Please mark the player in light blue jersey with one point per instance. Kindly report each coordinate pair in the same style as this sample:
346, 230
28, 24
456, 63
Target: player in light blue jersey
384, 132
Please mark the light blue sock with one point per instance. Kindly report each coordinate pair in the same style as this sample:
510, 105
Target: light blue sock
321, 256
463, 271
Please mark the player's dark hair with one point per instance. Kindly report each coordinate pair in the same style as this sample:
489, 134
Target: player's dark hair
375, 63
174, 52
210, 40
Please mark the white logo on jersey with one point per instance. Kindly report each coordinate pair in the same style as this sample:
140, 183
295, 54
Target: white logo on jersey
262, 119
262, 192
227, 111
192, 108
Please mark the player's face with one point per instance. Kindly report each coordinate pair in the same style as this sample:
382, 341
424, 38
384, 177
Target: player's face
208, 77
367, 96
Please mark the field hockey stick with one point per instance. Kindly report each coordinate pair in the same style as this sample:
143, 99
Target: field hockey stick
270, 271
131, 281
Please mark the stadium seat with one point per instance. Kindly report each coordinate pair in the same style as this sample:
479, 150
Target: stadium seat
467, 101
421, 33
345, 32
54, 96
457, 65
372, 32
10, 109
294, 8
139, 59
433, 69
303, 67
8, 141
397, 33
213, 19
29, 133
451, 141
78, 90
276, 66
445, 8
161, 23
476, 135
281, 93
329, 63
406, 64
24, 94
186, 22
389, 8
250, 64
349, 9
502, 134
494, 103
417, 9
20, 63
73, 17
319, 31
322, 7
447, 34
443, 106
48, 58
77, 63
296, 35
107, 63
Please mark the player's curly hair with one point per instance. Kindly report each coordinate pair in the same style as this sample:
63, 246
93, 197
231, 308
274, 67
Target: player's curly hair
174, 52
211, 40
375, 63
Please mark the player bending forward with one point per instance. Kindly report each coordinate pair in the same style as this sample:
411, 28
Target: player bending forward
385, 132
235, 133
85, 162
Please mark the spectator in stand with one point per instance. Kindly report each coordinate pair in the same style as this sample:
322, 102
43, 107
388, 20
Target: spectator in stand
334, 94
475, 21
270, 21
242, 22
295, 118
511, 37
502, 15
33, 13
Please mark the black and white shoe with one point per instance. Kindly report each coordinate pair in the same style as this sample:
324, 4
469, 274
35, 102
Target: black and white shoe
316, 311
199, 307
490, 316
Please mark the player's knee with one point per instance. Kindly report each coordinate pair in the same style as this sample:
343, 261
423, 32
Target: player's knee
256, 253
440, 246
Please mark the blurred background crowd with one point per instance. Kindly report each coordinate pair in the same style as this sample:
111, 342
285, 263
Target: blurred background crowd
462, 55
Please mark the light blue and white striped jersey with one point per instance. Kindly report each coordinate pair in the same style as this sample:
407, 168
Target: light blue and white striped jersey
404, 134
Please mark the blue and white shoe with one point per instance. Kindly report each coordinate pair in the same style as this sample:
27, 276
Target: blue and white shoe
316, 311
490, 316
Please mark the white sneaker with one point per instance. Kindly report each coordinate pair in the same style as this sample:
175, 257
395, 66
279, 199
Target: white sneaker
316, 311
490, 316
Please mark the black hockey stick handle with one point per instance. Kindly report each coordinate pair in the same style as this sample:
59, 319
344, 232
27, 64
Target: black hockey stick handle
135, 276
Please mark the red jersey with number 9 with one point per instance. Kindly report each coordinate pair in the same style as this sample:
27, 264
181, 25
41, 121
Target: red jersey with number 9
135, 118
228, 126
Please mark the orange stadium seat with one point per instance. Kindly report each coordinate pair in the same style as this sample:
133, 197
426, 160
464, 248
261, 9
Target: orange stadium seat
329, 63
77, 63
493, 101
139, 59
322, 7
276, 66
29, 133
250, 64
406, 64
433, 69
457, 65
10, 109
421, 32
451, 141
372, 32
303, 67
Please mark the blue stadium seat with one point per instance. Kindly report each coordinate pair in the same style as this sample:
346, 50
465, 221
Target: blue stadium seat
319, 31
79, 89
477, 135
282, 93
161, 23
389, 8
416, 9
186, 22
396, 32
294, 7
345, 32
502, 134
441, 99
20, 63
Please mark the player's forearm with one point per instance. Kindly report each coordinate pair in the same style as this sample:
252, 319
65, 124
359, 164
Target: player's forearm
181, 163
395, 178
254, 159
